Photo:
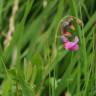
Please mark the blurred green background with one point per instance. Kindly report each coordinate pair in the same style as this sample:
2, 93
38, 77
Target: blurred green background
31, 63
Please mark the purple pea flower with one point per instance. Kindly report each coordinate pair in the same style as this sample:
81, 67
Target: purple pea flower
72, 46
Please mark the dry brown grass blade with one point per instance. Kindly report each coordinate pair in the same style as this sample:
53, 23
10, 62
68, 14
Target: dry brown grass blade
11, 24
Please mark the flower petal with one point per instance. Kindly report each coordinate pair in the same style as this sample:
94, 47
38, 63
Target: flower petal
73, 46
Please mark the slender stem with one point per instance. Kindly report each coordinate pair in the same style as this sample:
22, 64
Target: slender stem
17, 94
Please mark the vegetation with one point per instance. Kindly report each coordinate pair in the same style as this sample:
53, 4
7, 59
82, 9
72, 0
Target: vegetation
33, 61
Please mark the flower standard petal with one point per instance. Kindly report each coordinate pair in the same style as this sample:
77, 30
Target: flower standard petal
73, 46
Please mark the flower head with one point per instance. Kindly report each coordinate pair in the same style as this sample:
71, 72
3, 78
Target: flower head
67, 33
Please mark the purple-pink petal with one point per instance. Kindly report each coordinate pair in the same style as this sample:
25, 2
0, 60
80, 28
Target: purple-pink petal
73, 46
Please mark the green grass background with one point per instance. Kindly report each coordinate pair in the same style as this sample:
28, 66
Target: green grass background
32, 64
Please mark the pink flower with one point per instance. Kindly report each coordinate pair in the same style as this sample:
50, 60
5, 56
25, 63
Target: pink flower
72, 46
